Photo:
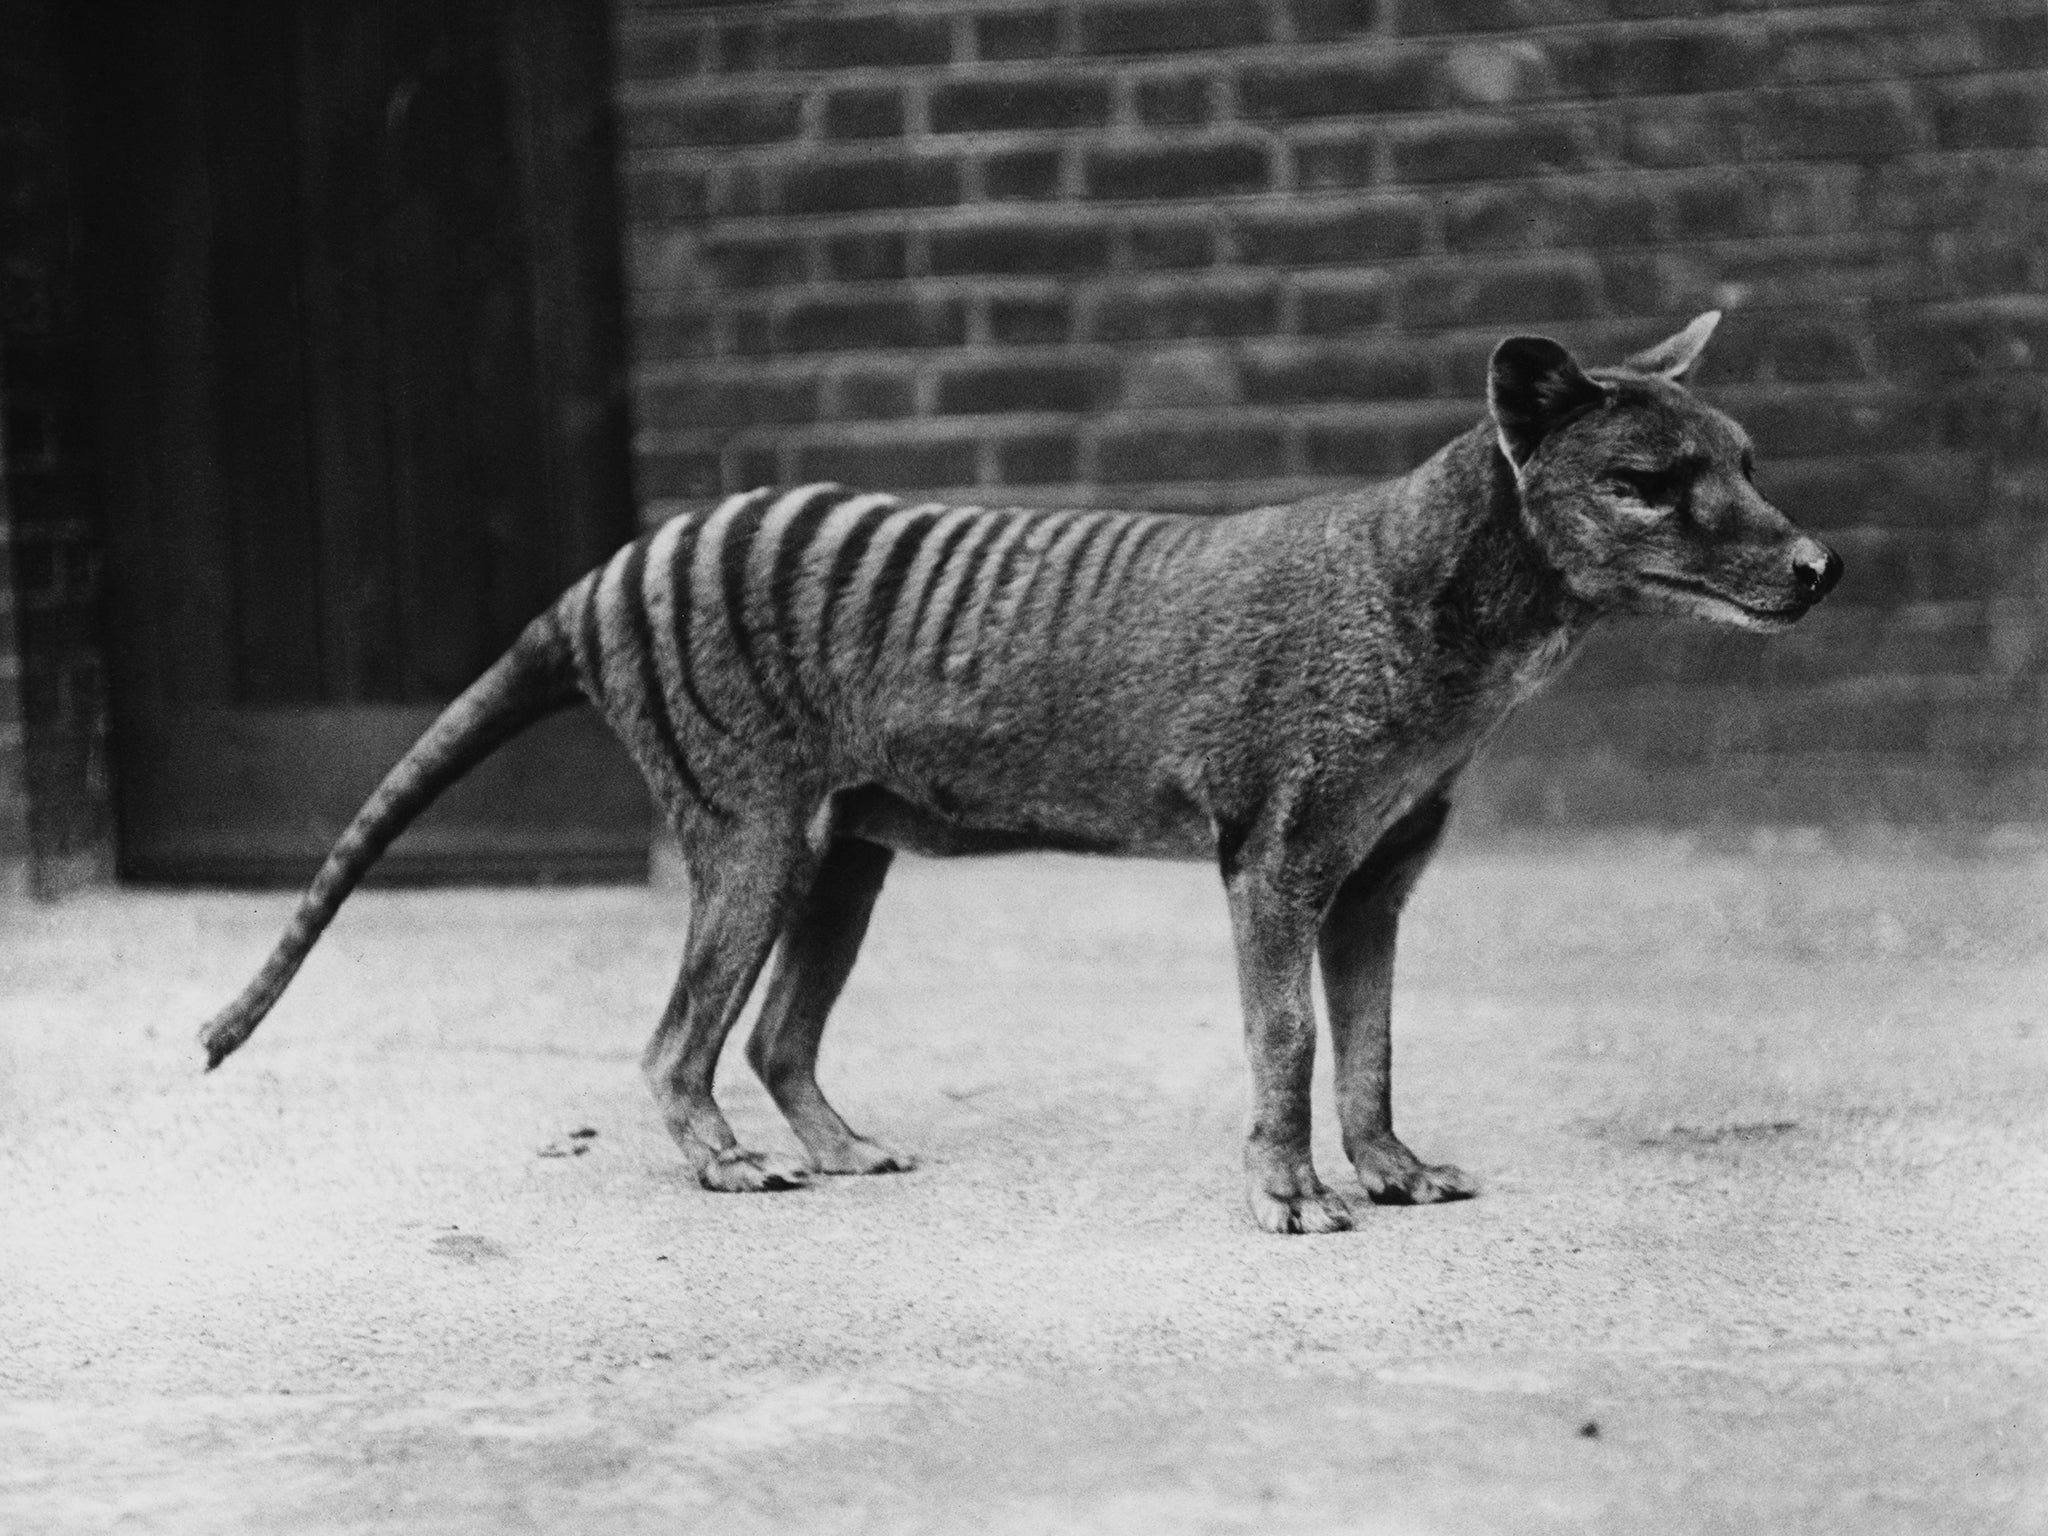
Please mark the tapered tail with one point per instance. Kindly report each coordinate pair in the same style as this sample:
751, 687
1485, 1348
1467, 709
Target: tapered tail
532, 680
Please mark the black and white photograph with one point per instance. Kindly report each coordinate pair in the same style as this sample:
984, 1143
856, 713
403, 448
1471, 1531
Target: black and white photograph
1145, 561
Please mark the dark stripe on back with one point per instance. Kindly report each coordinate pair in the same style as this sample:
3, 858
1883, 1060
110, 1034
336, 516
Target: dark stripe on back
653, 699
734, 549
590, 635
1150, 530
845, 561
1126, 524
888, 585
963, 593
936, 577
972, 671
798, 536
682, 595
1070, 570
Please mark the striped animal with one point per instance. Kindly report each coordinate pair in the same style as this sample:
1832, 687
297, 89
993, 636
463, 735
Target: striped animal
814, 679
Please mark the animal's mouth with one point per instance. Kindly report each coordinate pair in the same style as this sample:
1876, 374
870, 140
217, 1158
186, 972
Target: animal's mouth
1783, 615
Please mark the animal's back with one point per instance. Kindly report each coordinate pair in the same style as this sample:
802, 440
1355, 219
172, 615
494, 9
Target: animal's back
978, 661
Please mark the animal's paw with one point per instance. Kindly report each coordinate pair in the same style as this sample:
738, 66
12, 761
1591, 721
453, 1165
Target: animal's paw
1392, 1175
1296, 1203
737, 1171
859, 1155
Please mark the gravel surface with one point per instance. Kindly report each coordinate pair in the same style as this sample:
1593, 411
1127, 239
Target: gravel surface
1762, 1243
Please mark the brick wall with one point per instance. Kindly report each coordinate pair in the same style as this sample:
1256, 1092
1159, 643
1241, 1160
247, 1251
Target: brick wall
54, 802
1205, 253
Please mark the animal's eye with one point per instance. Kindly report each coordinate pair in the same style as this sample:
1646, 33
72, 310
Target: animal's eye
1748, 466
1655, 487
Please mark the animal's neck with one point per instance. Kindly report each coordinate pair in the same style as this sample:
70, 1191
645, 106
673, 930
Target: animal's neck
1492, 592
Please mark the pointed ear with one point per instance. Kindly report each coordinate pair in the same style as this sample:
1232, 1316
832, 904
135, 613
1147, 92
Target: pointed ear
1533, 387
1673, 357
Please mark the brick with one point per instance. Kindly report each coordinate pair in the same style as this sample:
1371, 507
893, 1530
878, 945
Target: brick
1713, 205
1474, 149
1022, 175
1328, 164
1168, 28
694, 476
2015, 42
735, 118
1030, 321
907, 464
1367, 449
1385, 228
864, 114
751, 467
2002, 417
1518, 217
1965, 343
829, 325
867, 257
1184, 311
1432, 16
756, 263
826, 186
1040, 459
661, 338
746, 46
1212, 170
1815, 352
981, 106
1019, 248
851, 42
1176, 102
1222, 451
1995, 114
1537, 289
1401, 83
1017, 35
1679, 131
1631, 63
1156, 247
660, 55
753, 332
1850, 123
1322, 21
727, 402
874, 396
1800, 422
1383, 372
663, 197
1805, 53
1330, 306
1020, 387
743, 190
1885, 490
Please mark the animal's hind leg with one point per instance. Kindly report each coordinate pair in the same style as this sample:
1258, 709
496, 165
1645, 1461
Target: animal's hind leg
743, 886
818, 949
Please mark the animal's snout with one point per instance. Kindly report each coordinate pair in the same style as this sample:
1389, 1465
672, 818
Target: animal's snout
1815, 570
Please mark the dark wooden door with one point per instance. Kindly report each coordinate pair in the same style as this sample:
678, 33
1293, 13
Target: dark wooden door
356, 268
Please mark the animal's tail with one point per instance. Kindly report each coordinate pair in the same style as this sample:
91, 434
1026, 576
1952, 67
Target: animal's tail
535, 678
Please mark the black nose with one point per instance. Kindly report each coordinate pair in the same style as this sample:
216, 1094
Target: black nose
1817, 573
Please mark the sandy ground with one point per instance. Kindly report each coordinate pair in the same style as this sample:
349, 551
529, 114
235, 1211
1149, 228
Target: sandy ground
1762, 1245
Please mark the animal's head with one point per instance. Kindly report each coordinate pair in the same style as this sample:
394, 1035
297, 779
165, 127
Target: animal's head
1640, 493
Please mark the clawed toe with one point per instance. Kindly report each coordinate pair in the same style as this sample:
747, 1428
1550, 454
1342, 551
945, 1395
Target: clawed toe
1423, 1184
862, 1156
1314, 1213
738, 1171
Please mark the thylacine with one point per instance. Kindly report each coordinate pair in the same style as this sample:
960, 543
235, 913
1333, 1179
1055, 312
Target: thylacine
813, 679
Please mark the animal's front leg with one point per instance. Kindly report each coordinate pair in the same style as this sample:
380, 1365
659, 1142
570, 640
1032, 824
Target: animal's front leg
1358, 977
1275, 927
